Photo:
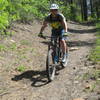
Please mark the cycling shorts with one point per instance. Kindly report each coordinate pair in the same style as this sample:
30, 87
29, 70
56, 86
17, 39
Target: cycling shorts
60, 33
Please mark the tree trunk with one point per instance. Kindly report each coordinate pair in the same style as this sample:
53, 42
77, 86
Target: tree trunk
97, 12
91, 4
85, 16
97, 8
82, 12
71, 1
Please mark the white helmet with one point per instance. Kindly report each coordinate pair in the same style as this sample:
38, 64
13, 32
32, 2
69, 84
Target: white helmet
54, 6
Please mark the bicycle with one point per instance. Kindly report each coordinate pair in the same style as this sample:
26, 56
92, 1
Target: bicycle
54, 57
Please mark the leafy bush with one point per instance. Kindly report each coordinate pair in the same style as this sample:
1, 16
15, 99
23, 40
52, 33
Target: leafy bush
23, 10
66, 11
3, 15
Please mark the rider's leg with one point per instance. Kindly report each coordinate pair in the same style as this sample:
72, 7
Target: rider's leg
63, 42
65, 50
64, 46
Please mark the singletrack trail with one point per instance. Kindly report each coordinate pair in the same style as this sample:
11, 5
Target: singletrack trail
31, 51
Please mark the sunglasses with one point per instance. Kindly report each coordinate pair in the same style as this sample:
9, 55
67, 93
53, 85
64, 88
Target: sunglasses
53, 10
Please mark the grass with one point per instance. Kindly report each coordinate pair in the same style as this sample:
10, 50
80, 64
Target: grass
95, 53
25, 42
94, 79
94, 75
2, 47
13, 46
21, 68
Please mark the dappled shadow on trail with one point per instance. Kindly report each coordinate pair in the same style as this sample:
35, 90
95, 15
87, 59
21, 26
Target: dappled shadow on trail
89, 23
82, 31
37, 77
46, 42
75, 43
80, 43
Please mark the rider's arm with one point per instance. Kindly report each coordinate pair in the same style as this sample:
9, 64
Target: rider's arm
43, 26
64, 23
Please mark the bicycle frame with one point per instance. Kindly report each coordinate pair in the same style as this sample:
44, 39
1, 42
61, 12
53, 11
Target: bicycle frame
55, 45
54, 50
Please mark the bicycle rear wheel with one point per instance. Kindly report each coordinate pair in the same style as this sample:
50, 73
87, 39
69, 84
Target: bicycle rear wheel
50, 66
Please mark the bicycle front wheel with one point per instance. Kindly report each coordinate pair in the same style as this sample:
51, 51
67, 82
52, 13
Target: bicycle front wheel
50, 66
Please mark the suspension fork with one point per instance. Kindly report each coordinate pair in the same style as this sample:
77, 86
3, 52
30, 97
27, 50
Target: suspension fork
57, 49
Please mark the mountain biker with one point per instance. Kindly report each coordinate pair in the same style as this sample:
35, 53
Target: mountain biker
59, 27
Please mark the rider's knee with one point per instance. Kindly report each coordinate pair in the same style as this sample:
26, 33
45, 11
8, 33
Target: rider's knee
62, 40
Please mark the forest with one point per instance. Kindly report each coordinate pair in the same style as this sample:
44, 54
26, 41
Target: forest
28, 10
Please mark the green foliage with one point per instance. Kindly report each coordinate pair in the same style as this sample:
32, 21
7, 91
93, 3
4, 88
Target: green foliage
2, 47
94, 75
98, 27
21, 68
3, 20
95, 54
23, 10
3, 4
79, 18
66, 11
13, 46
3, 15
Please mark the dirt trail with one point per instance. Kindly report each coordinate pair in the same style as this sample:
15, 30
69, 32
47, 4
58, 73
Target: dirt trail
32, 84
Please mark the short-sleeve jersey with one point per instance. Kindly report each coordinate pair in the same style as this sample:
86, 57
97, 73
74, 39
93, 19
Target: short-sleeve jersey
55, 22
